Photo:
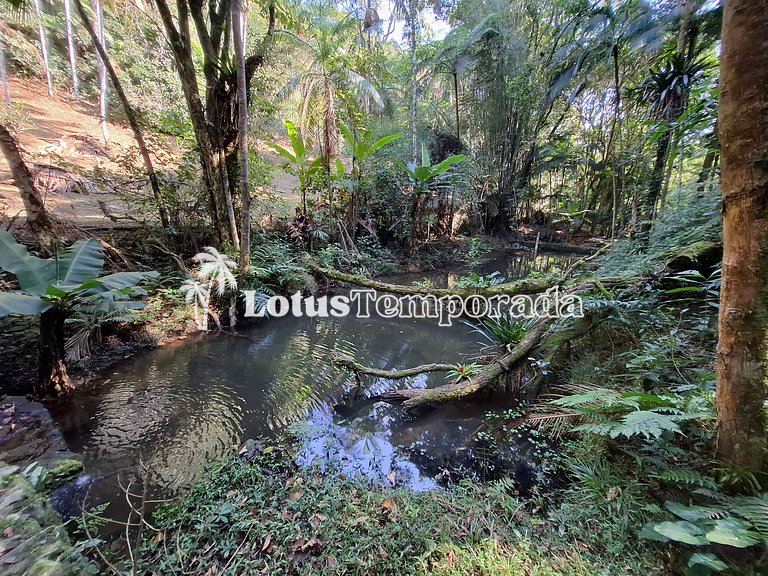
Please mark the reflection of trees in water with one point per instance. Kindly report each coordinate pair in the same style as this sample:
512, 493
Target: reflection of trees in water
180, 408
522, 264
175, 429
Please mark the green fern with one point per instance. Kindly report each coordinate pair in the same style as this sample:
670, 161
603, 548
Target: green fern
685, 477
754, 509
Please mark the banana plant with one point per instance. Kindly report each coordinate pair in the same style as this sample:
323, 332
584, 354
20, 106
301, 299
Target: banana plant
53, 288
361, 144
299, 159
423, 175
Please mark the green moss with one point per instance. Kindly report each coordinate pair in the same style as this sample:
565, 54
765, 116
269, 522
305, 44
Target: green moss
38, 544
67, 468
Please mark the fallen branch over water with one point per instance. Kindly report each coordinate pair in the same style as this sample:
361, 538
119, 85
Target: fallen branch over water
485, 376
540, 337
525, 286
350, 364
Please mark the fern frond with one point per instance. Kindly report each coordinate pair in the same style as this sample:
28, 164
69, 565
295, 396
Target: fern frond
685, 477
754, 509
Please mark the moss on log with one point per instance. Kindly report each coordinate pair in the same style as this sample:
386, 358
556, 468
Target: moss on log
350, 364
525, 286
701, 254
486, 375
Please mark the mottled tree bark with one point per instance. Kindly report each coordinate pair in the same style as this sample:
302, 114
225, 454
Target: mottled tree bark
743, 124
38, 221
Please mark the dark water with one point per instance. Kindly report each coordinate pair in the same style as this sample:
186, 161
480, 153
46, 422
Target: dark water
178, 408
182, 406
510, 265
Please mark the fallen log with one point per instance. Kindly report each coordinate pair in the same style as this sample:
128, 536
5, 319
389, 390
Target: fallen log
540, 341
696, 256
350, 364
485, 376
560, 247
524, 286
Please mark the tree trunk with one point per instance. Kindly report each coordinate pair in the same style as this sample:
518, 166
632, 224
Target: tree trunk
71, 48
100, 41
53, 380
743, 124
238, 31
38, 221
229, 204
216, 123
133, 120
657, 182
456, 104
412, 23
4, 72
44, 47
181, 45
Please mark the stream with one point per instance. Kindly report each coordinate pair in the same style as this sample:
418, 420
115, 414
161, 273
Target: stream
180, 407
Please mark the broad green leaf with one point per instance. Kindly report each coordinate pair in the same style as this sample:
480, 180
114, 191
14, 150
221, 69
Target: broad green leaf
682, 531
55, 292
649, 533
296, 140
423, 173
347, 135
692, 513
282, 151
80, 262
340, 168
708, 560
121, 280
732, 532
18, 303
446, 164
381, 142
34, 274
405, 168
426, 161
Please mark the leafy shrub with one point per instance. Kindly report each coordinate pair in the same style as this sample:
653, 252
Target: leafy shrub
276, 269
501, 331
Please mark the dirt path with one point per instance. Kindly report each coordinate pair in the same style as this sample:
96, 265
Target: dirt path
83, 179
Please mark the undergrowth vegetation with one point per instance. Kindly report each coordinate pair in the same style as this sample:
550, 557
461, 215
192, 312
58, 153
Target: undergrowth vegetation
265, 515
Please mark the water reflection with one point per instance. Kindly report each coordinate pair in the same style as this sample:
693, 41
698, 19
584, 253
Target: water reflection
512, 265
355, 453
178, 408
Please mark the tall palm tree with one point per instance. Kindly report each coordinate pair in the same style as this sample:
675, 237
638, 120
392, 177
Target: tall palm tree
454, 57
329, 73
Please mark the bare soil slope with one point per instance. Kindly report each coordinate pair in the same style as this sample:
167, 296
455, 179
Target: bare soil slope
85, 181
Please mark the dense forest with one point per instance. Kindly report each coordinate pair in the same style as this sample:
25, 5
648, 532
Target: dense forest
196, 195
